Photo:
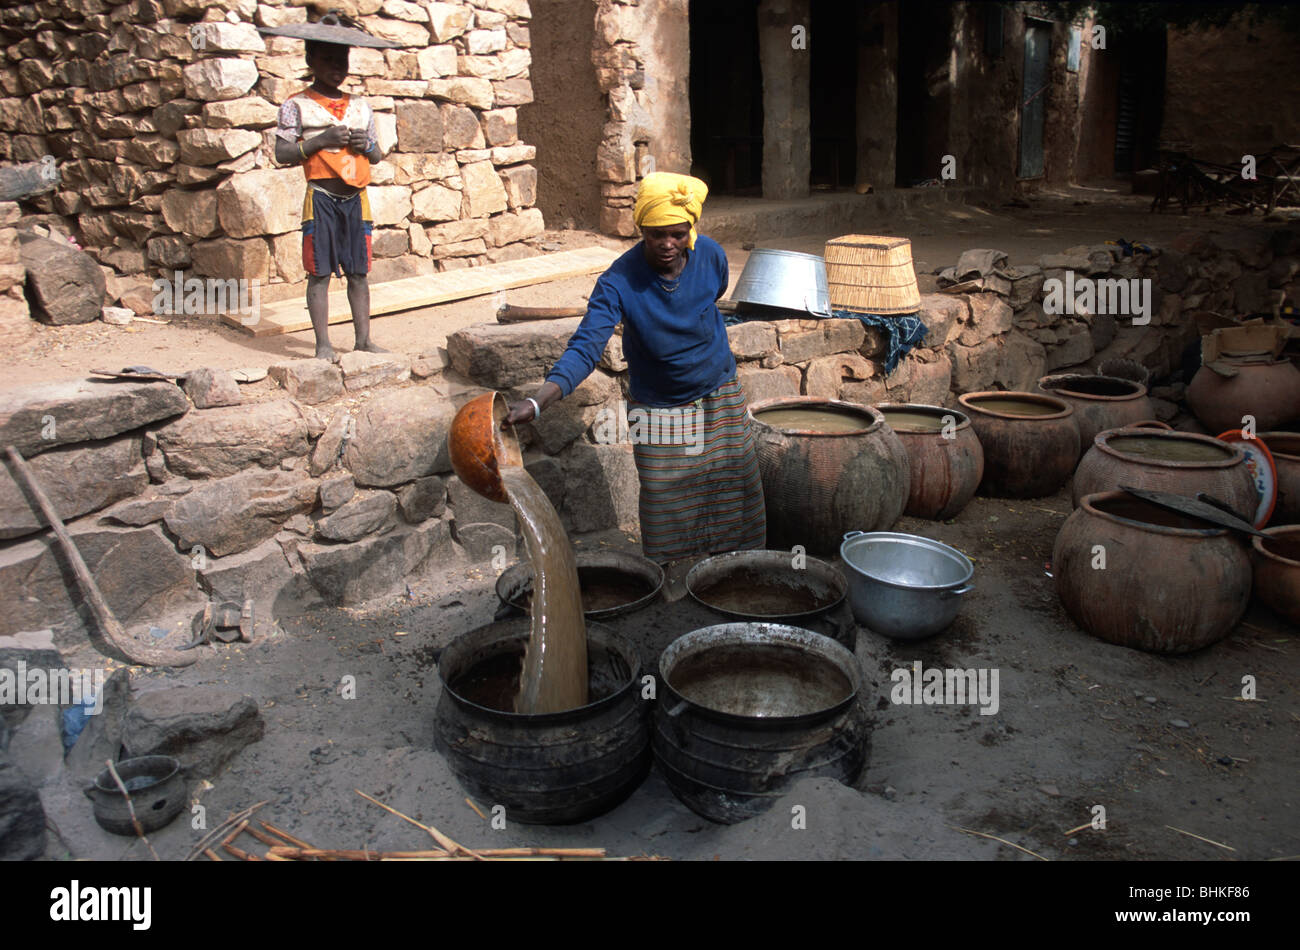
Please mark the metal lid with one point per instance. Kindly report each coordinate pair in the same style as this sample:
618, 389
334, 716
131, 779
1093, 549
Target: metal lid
329, 29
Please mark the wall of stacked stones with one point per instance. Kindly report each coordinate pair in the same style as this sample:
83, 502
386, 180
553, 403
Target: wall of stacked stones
331, 485
160, 116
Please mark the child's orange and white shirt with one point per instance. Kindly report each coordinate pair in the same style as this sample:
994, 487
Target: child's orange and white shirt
308, 113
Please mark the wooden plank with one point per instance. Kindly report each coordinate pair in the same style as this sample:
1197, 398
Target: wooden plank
289, 316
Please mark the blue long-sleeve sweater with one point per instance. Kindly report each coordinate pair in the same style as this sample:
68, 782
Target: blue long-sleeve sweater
675, 343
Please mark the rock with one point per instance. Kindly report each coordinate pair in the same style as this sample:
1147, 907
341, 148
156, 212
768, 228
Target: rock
422, 499
101, 737
520, 183
330, 444
249, 112
209, 388
36, 746
436, 203
15, 662
511, 227
501, 127
448, 20
118, 316
942, 315
358, 517
309, 381
65, 285
419, 126
919, 381
262, 573
210, 443
346, 574
990, 315
1250, 293
1102, 327
500, 356
512, 92
261, 202
763, 384
77, 479
562, 423
400, 436
467, 90
802, 340
483, 541
223, 37
227, 259
1180, 723
612, 359
363, 370
203, 726
610, 488
22, 819
1074, 348
484, 193
232, 514
193, 213
826, 375
751, 340
469, 507
336, 490
430, 364
138, 571
219, 78
213, 146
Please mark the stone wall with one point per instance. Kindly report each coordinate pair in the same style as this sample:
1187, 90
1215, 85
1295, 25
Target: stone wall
161, 117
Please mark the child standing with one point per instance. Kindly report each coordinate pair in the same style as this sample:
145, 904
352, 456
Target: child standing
332, 135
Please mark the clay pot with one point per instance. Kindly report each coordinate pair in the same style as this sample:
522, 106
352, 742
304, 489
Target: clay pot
1099, 402
1140, 458
1285, 449
479, 447
946, 463
1268, 391
1147, 424
818, 485
1170, 584
1025, 456
1277, 570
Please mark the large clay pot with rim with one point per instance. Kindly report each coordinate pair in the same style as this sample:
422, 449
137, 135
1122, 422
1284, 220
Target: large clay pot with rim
1170, 583
820, 484
1099, 402
1180, 462
945, 459
1277, 570
1268, 391
1285, 449
1030, 441
479, 447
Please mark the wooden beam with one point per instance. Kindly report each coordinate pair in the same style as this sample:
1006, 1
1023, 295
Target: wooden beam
289, 316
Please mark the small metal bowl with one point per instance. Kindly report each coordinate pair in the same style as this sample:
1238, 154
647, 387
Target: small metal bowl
156, 786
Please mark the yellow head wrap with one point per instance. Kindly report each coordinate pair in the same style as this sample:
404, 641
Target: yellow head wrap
665, 199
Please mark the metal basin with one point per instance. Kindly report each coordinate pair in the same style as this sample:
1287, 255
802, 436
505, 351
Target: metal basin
765, 585
156, 784
904, 586
611, 583
785, 279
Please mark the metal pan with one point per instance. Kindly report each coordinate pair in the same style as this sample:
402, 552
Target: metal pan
598, 573
766, 585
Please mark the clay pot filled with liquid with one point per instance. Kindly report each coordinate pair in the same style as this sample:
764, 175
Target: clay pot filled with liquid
1030, 442
1099, 402
944, 455
546, 768
828, 467
1267, 391
1285, 449
1178, 462
1277, 570
1135, 574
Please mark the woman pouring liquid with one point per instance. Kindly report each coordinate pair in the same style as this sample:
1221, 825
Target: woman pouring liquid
701, 492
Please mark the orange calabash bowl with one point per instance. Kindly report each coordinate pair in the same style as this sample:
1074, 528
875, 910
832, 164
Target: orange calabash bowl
479, 447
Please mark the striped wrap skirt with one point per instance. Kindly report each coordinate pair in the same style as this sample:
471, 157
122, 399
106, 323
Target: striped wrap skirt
701, 491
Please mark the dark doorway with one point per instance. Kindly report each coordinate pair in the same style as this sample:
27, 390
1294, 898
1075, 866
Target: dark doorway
1140, 110
726, 96
833, 95
924, 95
1033, 101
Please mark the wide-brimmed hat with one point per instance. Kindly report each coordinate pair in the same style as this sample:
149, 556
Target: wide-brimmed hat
330, 29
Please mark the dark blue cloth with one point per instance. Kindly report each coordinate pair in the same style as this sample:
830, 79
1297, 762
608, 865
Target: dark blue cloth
674, 341
901, 332
340, 234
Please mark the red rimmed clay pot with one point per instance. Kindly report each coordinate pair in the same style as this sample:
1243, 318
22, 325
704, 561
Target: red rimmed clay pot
1170, 583
1277, 570
1099, 402
945, 458
1030, 441
1178, 462
479, 447
1270, 392
1285, 447
820, 484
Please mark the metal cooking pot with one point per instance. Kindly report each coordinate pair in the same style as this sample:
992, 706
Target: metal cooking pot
814, 582
515, 585
902, 585
786, 279
156, 784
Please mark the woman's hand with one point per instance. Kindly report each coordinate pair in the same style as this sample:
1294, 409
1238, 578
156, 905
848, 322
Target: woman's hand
522, 411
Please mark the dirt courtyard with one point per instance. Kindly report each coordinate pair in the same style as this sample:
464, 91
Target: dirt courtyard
1165, 745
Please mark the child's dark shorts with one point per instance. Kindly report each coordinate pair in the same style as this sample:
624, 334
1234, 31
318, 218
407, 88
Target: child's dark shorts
335, 233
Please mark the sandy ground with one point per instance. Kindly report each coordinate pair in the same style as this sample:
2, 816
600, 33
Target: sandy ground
1081, 723
1052, 222
1158, 742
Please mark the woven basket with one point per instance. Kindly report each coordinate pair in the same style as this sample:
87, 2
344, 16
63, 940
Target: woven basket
869, 273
